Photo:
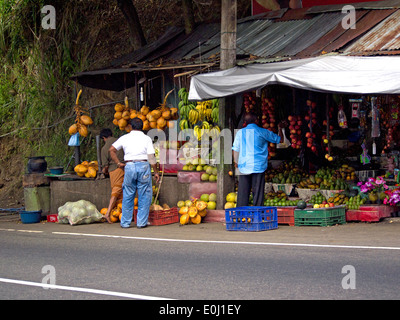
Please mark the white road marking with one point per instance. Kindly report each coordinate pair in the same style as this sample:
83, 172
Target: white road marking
86, 290
216, 241
229, 242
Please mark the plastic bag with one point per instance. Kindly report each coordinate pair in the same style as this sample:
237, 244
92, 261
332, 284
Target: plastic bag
375, 129
79, 212
285, 143
74, 140
342, 120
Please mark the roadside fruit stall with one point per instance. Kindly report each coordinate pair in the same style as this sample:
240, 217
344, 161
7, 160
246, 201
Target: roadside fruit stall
336, 148
326, 192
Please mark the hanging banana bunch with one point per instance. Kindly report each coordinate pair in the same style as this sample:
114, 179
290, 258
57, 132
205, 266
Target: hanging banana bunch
198, 132
215, 115
208, 110
82, 119
215, 110
183, 124
214, 132
195, 116
205, 125
185, 107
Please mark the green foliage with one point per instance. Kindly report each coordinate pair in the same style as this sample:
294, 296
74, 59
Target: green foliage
35, 89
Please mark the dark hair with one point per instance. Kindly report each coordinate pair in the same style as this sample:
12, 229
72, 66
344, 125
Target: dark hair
250, 118
105, 133
137, 124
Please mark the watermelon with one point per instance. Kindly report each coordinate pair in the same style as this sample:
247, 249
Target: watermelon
301, 205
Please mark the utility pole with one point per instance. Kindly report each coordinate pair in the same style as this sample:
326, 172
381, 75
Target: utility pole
225, 183
228, 33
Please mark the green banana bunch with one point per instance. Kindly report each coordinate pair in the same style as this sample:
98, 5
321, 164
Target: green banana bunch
215, 103
183, 95
215, 115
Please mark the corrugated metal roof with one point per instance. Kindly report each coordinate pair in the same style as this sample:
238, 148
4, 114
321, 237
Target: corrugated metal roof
192, 41
284, 34
205, 47
338, 37
321, 25
246, 30
298, 32
368, 5
251, 34
367, 22
276, 37
385, 36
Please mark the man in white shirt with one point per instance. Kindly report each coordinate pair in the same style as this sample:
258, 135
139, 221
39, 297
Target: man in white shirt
139, 154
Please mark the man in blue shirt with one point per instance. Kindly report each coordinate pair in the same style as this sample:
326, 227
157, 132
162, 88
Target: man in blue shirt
250, 154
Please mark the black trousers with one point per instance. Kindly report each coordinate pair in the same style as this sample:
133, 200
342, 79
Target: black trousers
251, 182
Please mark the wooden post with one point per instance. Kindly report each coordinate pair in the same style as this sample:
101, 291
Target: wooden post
225, 183
228, 34
328, 124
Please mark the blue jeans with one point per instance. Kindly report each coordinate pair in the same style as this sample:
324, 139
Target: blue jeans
137, 178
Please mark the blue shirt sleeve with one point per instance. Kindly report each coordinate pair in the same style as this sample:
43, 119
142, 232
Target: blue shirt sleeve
271, 137
236, 142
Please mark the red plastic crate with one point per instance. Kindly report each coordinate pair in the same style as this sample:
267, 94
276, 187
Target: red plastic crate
371, 213
286, 215
159, 218
52, 218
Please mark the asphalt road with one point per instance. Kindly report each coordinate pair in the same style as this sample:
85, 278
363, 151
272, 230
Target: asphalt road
202, 262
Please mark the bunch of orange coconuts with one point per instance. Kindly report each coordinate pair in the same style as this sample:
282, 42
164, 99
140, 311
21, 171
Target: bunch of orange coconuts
159, 118
87, 169
82, 119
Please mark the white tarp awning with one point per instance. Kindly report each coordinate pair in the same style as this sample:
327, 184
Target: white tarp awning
344, 74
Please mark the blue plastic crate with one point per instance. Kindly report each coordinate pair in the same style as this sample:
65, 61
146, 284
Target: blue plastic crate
251, 218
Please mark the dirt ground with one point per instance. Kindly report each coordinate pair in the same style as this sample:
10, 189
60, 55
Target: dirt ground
11, 172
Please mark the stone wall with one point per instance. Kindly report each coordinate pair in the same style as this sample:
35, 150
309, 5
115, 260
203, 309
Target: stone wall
99, 191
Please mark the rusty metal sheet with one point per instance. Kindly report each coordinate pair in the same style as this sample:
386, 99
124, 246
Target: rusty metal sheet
367, 22
368, 5
320, 46
384, 36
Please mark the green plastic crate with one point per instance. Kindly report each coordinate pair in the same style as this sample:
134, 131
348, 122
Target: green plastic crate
322, 217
